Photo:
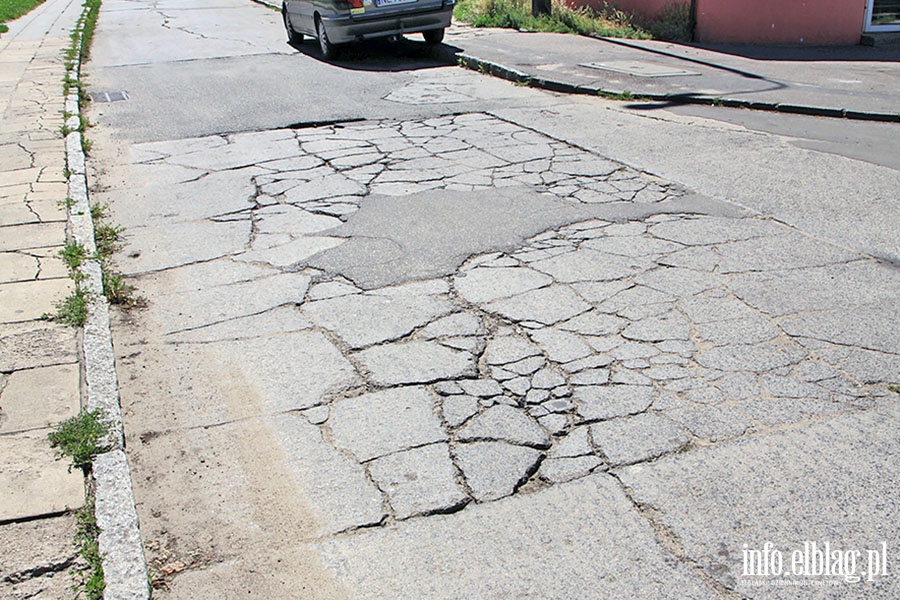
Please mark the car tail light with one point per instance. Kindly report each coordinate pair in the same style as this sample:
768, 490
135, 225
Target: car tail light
349, 3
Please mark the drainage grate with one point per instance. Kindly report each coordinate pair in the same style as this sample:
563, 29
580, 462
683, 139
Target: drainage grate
109, 96
639, 69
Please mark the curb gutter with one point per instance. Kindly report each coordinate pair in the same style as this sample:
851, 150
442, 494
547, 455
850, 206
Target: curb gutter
503, 72
121, 550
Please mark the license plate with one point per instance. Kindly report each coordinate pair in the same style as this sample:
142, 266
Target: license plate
392, 2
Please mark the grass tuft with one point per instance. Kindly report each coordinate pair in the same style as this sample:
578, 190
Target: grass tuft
81, 437
87, 534
10, 10
516, 14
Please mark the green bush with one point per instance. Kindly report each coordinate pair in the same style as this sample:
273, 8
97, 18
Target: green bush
516, 14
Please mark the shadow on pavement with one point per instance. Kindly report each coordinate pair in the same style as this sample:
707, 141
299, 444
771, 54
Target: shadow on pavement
382, 55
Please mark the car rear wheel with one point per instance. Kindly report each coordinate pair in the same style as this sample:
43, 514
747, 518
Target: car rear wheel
294, 37
433, 36
328, 49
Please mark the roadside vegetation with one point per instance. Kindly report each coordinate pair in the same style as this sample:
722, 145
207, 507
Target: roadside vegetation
672, 24
81, 438
10, 10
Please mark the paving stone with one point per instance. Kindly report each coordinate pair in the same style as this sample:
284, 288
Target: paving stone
814, 371
610, 401
635, 439
669, 326
630, 377
553, 423
379, 423
628, 302
494, 470
15, 266
714, 423
507, 349
283, 319
33, 481
36, 344
590, 377
559, 405
482, 388
710, 497
665, 372
744, 331
283, 218
36, 398
701, 231
590, 265
317, 414
504, 423
458, 409
415, 362
469, 344
447, 388
333, 484
736, 386
518, 385
862, 326
595, 323
758, 359
560, 346
635, 564
576, 443
708, 310
599, 291
773, 412
594, 361
788, 387
536, 396
679, 282
527, 366
484, 284
365, 319
871, 367
546, 305
290, 371
419, 481
546, 379
457, 324
801, 290
560, 470
634, 246
28, 300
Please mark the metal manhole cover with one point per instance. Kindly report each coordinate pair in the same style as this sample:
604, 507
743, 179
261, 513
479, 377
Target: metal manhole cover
639, 69
109, 96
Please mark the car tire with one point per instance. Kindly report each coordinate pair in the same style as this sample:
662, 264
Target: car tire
294, 37
329, 50
433, 36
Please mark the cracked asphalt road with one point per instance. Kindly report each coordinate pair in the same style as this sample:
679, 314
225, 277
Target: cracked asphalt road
455, 356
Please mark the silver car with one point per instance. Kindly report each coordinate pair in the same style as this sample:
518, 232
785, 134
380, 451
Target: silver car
335, 22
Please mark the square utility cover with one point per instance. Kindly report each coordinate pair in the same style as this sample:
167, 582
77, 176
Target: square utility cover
639, 69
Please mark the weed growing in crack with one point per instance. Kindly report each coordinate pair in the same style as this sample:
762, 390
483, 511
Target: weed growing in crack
87, 534
73, 309
73, 254
106, 237
81, 437
894, 388
117, 291
98, 211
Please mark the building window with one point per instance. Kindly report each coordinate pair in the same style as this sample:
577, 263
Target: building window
883, 15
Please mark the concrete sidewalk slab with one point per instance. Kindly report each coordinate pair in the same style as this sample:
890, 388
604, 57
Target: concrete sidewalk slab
858, 82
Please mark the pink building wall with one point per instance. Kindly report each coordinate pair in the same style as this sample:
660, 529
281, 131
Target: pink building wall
780, 21
762, 21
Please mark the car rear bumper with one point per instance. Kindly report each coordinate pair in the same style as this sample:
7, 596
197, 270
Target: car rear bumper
348, 28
